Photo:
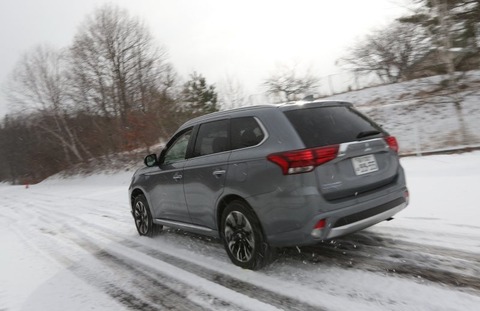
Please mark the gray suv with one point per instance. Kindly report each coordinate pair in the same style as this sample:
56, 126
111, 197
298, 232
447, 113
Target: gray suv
271, 176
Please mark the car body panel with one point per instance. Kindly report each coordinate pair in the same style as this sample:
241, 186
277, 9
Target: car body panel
204, 180
166, 195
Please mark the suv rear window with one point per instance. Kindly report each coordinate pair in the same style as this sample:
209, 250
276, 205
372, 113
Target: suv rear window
322, 126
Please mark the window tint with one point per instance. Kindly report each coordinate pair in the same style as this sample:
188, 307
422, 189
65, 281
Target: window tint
322, 126
212, 138
178, 149
246, 132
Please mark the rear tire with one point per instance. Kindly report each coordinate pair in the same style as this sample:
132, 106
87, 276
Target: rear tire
143, 217
243, 237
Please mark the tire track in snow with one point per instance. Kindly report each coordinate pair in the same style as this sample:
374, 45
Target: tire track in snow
153, 293
365, 251
139, 290
378, 254
250, 290
372, 253
236, 284
396, 257
55, 250
60, 250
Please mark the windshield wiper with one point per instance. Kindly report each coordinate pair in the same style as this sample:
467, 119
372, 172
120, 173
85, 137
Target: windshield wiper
368, 133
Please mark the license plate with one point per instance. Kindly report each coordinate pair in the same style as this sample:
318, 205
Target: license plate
364, 164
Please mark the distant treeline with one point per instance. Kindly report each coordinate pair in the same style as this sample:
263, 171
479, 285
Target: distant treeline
112, 90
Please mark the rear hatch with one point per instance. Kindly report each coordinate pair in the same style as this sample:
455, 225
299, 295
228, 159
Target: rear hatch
364, 155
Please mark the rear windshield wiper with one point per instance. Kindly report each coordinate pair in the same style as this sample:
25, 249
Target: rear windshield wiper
368, 133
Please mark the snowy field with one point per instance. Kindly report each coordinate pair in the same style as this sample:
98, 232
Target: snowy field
71, 244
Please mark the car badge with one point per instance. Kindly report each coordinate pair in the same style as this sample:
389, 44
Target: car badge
367, 147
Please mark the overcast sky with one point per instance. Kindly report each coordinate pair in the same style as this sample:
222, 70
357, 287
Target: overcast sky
243, 39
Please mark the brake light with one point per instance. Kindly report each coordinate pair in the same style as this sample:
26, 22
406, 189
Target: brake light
302, 161
392, 143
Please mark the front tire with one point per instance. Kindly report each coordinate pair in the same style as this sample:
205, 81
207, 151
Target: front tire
143, 217
243, 237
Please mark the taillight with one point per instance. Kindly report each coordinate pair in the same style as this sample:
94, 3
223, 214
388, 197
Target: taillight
302, 161
320, 224
392, 143
317, 231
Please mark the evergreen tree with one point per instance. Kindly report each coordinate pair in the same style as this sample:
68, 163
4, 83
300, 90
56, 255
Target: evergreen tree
459, 20
199, 97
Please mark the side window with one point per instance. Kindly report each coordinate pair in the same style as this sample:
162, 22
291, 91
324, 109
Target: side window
212, 138
178, 149
246, 132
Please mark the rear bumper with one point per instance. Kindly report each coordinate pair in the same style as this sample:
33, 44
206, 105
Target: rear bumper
342, 221
337, 231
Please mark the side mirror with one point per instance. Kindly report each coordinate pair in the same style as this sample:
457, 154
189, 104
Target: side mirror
151, 160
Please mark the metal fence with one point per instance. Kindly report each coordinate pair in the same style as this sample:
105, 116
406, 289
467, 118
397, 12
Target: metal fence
346, 81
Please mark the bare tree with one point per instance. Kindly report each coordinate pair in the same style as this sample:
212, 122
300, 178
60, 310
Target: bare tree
287, 84
116, 67
113, 84
38, 86
389, 52
231, 93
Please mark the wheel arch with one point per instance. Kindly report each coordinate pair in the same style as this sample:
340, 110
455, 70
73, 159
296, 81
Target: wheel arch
223, 203
135, 193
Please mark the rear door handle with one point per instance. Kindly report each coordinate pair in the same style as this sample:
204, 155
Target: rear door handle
177, 177
218, 173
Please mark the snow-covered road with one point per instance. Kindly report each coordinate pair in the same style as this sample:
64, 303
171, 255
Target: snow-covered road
72, 245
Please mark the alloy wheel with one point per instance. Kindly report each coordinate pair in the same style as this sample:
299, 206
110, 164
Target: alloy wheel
141, 217
239, 236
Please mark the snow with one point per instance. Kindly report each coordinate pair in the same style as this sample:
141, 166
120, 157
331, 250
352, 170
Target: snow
70, 244
454, 181
30, 279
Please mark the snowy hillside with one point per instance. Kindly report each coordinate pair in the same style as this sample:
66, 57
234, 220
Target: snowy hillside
421, 118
